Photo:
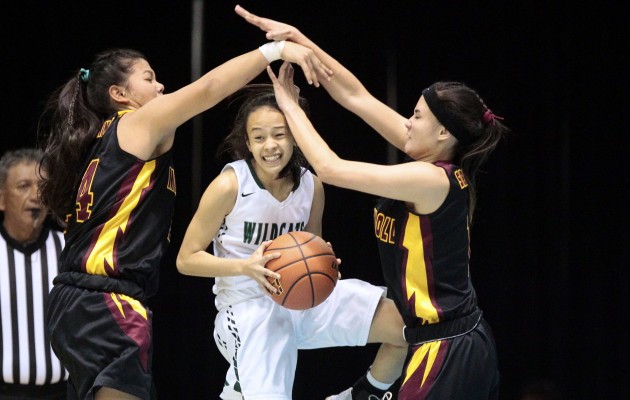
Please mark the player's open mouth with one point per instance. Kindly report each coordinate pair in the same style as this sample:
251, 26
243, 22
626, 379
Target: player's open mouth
272, 158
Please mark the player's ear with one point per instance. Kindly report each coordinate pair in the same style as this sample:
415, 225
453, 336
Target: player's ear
118, 94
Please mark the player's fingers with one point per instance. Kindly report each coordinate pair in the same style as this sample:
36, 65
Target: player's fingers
282, 73
268, 257
291, 74
272, 274
269, 286
286, 78
263, 246
308, 74
322, 70
249, 17
278, 34
272, 76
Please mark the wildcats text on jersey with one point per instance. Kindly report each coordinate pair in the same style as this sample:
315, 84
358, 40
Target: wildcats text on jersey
268, 231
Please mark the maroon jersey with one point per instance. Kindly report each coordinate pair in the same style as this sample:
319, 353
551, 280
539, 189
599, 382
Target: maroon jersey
425, 265
119, 229
425, 257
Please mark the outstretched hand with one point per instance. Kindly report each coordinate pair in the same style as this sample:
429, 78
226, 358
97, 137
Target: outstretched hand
275, 30
338, 261
294, 50
286, 92
312, 66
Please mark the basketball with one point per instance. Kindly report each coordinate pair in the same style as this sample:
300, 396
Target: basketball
308, 269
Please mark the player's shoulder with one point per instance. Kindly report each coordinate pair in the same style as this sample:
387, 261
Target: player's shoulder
317, 182
225, 181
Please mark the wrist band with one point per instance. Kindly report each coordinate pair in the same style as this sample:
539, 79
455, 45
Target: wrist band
272, 50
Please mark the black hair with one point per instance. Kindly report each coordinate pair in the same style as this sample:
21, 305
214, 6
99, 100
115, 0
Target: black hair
470, 113
73, 116
253, 97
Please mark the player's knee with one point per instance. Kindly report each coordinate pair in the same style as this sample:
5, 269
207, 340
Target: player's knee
387, 325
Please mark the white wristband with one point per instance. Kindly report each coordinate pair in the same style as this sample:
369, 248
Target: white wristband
272, 50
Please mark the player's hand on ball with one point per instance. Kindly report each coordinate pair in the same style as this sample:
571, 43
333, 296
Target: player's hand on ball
338, 260
255, 267
308, 267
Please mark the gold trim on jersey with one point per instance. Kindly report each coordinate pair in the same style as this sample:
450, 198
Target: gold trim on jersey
101, 260
416, 279
107, 123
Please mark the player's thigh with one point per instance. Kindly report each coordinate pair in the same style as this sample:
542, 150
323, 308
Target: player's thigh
344, 319
387, 325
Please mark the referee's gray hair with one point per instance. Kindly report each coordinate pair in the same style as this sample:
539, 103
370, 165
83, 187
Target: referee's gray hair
13, 157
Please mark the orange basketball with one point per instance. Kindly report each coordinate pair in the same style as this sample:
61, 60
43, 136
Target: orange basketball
308, 269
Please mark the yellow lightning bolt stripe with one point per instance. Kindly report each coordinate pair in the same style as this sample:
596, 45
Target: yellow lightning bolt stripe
428, 351
135, 305
416, 271
104, 248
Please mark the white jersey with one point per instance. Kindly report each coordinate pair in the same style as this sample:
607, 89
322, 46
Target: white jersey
256, 216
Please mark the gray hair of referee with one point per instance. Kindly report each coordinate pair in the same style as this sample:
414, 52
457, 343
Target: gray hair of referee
13, 157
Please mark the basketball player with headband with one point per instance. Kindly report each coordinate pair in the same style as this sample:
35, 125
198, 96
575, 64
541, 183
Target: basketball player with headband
430, 200
267, 187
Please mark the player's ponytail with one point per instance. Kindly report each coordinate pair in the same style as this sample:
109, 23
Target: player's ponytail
70, 121
69, 124
478, 128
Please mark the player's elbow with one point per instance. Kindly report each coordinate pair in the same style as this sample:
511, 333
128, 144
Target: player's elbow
183, 266
327, 169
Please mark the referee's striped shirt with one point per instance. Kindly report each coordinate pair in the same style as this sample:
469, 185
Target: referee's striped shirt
26, 274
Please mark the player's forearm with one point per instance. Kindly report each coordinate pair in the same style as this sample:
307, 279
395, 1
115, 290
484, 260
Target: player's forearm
344, 85
319, 155
232, 75
206, 265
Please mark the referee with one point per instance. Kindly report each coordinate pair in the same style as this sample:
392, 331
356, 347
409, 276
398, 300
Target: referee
28, 264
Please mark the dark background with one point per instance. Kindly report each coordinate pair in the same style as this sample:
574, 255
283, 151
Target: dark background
550, 242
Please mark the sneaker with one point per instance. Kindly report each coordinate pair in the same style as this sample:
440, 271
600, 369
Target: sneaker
345, 395
386, 396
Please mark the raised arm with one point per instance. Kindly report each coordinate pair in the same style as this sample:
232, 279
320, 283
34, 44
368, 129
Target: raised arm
314, 224
343, 86
150, 130
420, 183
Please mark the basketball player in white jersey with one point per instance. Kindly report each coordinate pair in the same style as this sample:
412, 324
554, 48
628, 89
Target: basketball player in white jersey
269, 191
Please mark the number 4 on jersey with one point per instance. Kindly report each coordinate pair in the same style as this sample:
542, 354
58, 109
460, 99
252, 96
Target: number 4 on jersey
85, 197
